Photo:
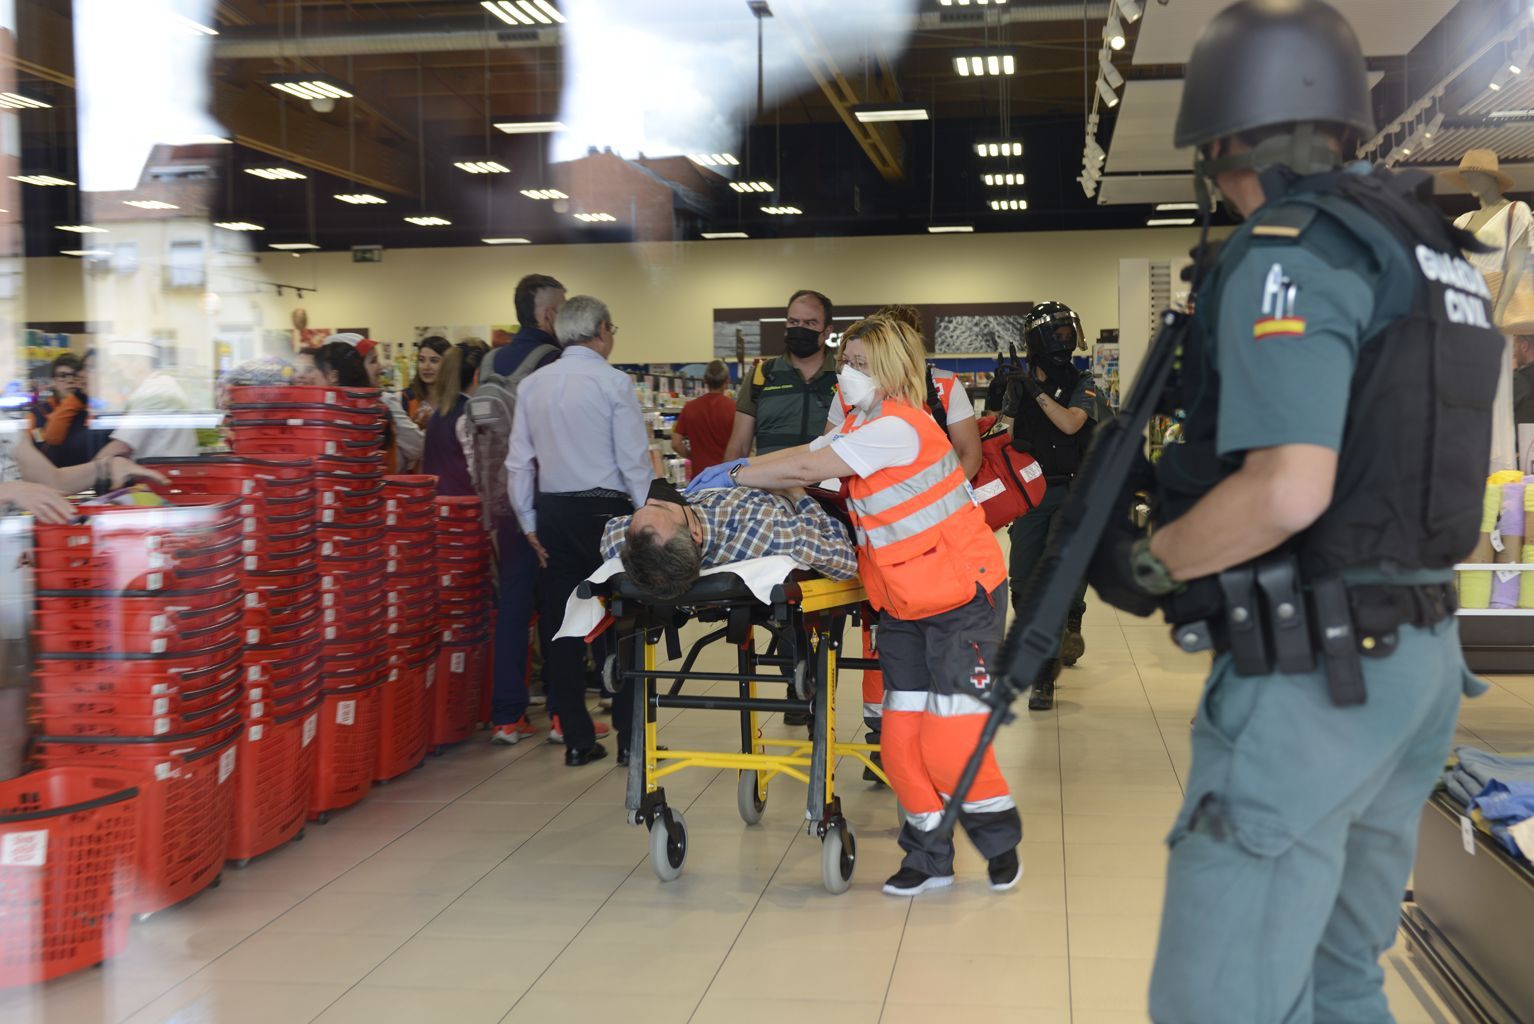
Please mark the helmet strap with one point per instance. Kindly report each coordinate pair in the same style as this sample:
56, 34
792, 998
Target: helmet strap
1301, 152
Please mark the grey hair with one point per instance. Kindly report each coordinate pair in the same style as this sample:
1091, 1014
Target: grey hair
580, 320
663, 569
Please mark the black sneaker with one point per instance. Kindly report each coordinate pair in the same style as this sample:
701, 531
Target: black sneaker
1005, 870
1072, 644
796, 718
910, 882
1043, 696
578, 758
869, 775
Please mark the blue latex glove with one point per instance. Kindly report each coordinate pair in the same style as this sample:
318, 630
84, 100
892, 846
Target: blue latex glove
713, 476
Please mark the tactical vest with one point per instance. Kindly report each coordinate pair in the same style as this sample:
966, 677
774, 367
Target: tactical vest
789, 409
1058, 454
1417, 439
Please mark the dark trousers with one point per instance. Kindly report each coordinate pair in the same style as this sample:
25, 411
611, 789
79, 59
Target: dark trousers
570, 529
1029, 536
517, 569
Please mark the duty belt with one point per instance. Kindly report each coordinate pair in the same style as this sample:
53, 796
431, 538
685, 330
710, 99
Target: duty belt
1272, 620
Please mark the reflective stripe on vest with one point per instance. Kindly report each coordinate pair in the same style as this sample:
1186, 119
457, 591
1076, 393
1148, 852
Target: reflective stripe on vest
909, 701
933, 476
913, 525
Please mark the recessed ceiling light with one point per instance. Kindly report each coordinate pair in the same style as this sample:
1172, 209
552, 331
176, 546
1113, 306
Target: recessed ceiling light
292, 246
596, 218
873, 113
361, 198
714, 159
82, 229
196, 28
91, 253
966, 3
990, 149
1002, 179
1170, 207
725, 234
16, 101
782, 211
238, 225
1170, 222
277, 173
544, 193
482, 167
506, 241
524, 12
310, 87
40, 179
986, 62
750, 186
529, 127
1009, 204
950, 229
150, 204
429, 221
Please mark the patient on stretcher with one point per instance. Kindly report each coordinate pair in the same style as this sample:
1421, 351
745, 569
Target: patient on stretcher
670, 540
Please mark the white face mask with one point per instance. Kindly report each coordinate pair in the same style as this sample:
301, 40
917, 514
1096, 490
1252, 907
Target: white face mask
856, 387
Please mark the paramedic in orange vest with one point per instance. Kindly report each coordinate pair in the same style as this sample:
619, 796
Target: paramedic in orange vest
935, 573
945, 392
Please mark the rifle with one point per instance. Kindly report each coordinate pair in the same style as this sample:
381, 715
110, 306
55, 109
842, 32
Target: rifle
1047, 595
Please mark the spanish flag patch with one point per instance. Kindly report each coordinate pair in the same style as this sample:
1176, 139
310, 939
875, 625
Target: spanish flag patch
1279, 327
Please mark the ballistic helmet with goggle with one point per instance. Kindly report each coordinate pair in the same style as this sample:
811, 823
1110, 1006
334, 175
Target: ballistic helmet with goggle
1268, 63
1052, 331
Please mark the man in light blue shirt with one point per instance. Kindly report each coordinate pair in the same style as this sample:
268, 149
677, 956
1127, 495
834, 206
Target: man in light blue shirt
579, 455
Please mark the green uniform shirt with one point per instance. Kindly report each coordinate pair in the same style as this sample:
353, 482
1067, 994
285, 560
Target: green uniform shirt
796, 408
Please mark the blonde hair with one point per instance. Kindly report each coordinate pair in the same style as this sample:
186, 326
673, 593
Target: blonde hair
892, 360
902, 314
457, 373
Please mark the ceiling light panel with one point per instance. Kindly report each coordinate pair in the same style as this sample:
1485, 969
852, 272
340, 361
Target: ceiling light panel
361, 198
429, 221
1002, 179
875, 114
725, 234
984, 63
150, 204
1000, 205
595, 218
16, 101
40, 179
1170, 222
544, 193
750, 186
525, 13
277, 173
529, 127
89, 253
950, 229
998, 149
292, 246
310, 87
82, 229
1173, 207
966, 3
782, 211
714, 159
238, 225
506, 241
482, 167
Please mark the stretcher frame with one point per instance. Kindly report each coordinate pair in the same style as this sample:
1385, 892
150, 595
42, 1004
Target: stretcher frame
807, 615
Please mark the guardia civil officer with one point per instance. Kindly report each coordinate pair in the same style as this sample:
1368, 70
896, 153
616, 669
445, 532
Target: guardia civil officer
1053, 407
1336, 392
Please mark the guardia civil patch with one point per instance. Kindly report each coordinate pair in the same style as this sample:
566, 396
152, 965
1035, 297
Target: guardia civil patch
1279, 297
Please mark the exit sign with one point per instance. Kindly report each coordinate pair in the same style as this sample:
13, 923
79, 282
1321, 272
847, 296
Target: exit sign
367, 254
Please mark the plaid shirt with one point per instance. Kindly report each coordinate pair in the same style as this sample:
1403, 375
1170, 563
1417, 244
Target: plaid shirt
741, 523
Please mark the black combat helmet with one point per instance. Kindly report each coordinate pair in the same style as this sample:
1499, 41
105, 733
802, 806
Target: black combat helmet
1265, 63
1047, 343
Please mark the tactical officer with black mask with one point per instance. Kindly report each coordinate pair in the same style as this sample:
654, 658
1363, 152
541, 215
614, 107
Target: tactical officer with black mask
1335, 393
1053, 407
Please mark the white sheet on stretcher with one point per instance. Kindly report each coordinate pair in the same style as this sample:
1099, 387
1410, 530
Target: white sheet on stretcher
760, 575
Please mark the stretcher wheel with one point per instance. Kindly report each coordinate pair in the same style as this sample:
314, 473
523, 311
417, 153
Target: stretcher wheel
668, 845
801, 678
610, 675
748, 798
838, 858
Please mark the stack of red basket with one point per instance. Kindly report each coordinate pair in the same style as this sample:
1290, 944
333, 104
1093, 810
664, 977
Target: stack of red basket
467, 611
301, 420
282, 636
414, 634
352, 576
139, 664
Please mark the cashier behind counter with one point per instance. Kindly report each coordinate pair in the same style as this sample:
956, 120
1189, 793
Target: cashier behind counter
670, 540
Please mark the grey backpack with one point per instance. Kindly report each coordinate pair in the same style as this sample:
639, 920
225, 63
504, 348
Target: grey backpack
490, 412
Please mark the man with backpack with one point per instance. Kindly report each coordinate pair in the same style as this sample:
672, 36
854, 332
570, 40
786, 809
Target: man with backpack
491, 411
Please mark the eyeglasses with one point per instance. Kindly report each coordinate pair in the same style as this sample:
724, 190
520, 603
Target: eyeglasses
858, 363
66, 377
814, 325
612, 327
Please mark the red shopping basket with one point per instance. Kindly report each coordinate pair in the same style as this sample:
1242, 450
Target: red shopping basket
68, 841
308, 394
274, 781
348, 748
453, 705
402, 733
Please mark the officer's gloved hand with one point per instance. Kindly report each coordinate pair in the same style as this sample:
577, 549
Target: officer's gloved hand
1031, 387
1111, 575
713, 477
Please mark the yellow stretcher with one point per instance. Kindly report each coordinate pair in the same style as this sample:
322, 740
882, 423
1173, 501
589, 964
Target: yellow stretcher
806, 616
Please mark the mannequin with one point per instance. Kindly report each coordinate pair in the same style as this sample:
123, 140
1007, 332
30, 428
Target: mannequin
1505, 227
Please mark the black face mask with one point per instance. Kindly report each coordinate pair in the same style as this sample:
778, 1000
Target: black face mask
802, 342
663, 490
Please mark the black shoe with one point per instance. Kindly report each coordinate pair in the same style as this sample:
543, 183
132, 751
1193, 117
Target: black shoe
576, 758
1043, 696
1073, 645
910, 882
1005, 870
796, 718
623, 759
869, 775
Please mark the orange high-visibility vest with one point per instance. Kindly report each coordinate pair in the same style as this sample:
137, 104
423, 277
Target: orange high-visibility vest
923, 543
